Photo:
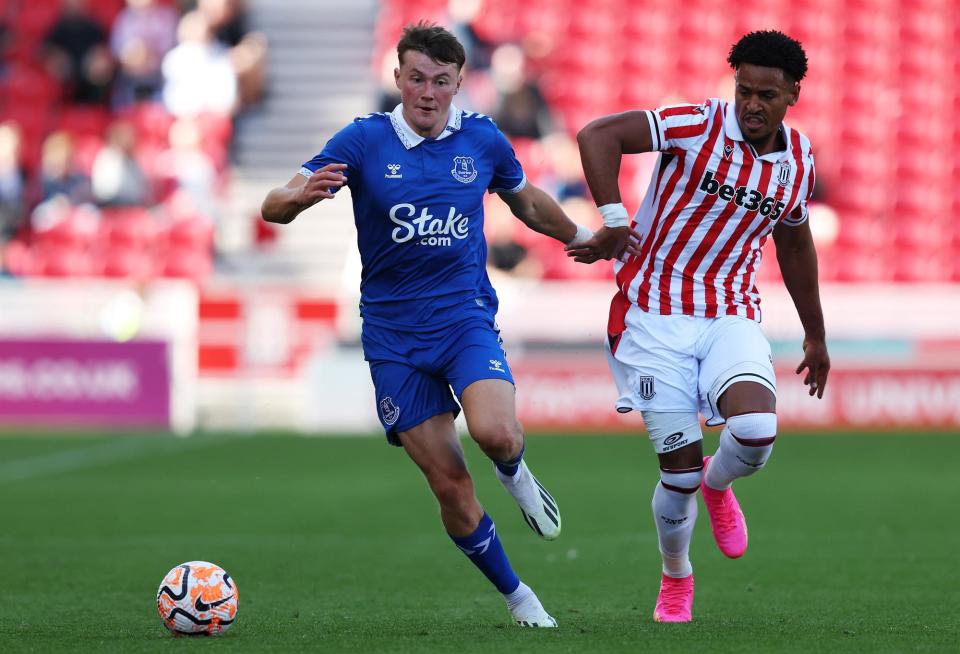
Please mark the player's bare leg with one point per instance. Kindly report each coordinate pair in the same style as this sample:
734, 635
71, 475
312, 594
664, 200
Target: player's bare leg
434, 446
675, 511
745, 445
490, 409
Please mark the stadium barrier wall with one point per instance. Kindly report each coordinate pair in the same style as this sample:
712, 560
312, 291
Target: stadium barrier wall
84, 383
295, 362
98, 354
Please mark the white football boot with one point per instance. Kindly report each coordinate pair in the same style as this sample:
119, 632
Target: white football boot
526, 609
538, 507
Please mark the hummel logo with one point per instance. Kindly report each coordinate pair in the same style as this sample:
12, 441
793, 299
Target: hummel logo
203, 606
394, 172
496, 366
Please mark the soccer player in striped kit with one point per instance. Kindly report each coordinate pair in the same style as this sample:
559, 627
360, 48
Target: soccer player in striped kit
683, 331
418, 176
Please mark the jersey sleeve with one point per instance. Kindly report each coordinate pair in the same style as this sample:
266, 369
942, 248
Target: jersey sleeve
508, 175
679, 127
346, 146
801, 213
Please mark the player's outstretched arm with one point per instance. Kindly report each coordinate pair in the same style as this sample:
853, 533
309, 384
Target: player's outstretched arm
797, 257
285, 203
541, 213
603, 142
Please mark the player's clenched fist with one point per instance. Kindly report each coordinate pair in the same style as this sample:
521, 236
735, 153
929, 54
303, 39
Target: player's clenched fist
323, 184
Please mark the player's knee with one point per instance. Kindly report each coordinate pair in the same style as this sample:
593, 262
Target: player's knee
684, 480
754, 434
501, 440
453, 490
671, 431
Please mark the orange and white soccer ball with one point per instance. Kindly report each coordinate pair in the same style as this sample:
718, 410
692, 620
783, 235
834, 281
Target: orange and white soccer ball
197, 597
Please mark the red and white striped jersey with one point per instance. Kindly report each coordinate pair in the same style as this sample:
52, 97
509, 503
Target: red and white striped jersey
709, 208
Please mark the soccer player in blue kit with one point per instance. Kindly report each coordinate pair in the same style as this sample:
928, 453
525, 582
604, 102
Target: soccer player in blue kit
417, 177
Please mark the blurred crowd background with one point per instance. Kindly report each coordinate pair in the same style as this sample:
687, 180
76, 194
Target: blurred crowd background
115, 131
116, 120
138, 138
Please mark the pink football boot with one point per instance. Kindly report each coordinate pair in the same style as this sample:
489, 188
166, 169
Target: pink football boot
675, 601
726, 518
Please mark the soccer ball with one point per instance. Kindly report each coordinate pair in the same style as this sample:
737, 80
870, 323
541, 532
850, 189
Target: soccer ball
197, 597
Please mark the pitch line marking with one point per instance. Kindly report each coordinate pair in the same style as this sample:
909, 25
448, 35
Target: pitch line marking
79, 458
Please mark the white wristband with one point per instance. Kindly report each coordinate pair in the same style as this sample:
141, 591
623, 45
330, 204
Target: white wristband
614, 215
583, 235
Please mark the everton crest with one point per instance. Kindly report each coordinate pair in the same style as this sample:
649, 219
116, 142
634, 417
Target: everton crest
463, 169
389, 411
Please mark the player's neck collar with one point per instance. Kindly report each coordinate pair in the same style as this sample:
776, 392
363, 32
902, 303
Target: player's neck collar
732, 129
411, 139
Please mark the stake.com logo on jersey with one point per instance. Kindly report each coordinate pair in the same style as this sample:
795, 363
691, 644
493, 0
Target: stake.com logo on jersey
747, 198
428, 229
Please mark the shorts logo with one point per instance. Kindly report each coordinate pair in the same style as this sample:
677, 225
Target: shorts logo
463, 169
389, 411
496, 366
673, 438
674, 521
646, 388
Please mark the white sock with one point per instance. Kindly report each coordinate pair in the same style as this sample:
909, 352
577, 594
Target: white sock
675, 514
518, 596
739, 456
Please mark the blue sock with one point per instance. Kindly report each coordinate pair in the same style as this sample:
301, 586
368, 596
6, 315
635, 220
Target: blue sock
509, 468
483, 547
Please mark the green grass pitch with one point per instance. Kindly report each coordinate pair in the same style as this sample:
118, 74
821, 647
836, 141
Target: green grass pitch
336, 546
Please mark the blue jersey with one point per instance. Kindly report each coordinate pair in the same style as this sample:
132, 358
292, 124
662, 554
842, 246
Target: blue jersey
418, 207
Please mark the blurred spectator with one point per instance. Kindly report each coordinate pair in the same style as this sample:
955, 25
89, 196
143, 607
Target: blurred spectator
521, 109
248, 50
389, 94
462, 13
117, 179
505, 255
11, 181
566, 177
198, 75
77, 54
59, 174
142, 34
190, 170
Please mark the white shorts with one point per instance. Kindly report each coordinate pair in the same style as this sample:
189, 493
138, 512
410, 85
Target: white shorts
675, 364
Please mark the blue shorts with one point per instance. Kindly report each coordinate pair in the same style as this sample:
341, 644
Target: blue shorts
413, 372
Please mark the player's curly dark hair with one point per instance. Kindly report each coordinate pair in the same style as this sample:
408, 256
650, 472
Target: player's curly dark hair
434, 41
770, 48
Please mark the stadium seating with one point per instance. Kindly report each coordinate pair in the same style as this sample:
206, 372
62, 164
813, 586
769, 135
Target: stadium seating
128, 242
878, 102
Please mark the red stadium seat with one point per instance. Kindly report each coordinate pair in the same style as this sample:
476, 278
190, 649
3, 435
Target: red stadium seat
33, 87
84, 120
151, 121
64, 261
76, 229
192, 233
18, 259
127, 263
131, 228
36, 17
187, 264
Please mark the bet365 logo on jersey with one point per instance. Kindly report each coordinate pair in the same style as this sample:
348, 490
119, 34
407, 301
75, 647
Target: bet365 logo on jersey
742, 196
427, 229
